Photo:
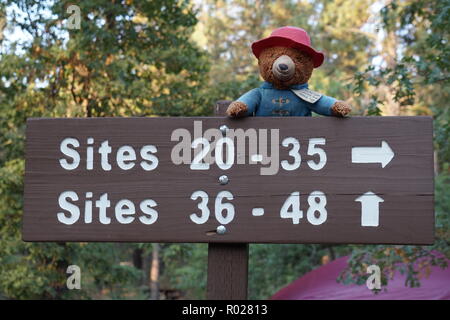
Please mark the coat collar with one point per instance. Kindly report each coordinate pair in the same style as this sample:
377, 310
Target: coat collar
268, 85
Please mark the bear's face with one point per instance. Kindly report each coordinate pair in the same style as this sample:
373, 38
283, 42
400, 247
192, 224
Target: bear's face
284, 67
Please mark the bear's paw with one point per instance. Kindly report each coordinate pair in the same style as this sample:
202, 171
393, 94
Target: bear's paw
237, 109
341, 109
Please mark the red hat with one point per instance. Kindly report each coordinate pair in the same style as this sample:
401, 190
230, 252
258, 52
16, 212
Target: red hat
291, 37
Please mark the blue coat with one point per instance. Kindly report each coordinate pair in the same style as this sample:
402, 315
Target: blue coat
266, 101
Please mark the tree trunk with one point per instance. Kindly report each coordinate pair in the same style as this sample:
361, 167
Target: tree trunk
154, 273
137, 258
436, 163
147, 261
390, 48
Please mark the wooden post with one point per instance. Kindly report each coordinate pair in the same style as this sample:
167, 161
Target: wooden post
227, 263
221, 107
227, 271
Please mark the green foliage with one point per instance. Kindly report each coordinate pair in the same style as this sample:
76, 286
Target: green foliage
423, 28
154, 58
127, 58
186, 267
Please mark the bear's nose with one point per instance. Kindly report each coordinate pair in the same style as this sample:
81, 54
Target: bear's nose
283, 66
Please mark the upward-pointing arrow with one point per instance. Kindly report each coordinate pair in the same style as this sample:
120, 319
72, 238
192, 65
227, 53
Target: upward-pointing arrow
370, 211
383, 154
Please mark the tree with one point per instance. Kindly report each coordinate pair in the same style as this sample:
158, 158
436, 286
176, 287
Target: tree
143, 58
417, 74
128, 58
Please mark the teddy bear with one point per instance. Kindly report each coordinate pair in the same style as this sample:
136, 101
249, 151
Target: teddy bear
286, 61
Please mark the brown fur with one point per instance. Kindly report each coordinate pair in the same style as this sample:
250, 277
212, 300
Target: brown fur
341, 109
303, 66
236, 109
303, 70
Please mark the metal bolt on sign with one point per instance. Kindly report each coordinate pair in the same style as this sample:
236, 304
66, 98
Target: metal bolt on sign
223, 180
221, 230
224, 128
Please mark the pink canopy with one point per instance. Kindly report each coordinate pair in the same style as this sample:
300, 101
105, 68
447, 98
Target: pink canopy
320, 284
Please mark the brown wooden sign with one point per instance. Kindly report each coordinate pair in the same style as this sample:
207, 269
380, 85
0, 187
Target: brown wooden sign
253, 180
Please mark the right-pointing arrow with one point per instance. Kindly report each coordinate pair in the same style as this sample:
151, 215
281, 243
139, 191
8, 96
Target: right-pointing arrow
383, 154
370, 210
